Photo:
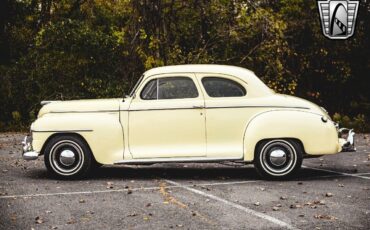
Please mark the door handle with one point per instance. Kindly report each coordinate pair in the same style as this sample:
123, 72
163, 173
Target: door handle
198, 107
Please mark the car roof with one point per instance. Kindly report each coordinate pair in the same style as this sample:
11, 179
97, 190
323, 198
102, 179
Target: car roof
200, 68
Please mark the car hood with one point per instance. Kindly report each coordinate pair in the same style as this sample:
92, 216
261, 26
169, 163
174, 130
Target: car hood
75, 106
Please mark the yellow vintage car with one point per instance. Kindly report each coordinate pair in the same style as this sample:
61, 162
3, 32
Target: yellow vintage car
185, 113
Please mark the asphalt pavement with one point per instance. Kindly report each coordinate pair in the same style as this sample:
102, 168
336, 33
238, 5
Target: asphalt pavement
330, 192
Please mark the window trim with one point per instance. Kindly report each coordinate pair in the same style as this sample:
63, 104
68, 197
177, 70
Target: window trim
165, 77
224, 78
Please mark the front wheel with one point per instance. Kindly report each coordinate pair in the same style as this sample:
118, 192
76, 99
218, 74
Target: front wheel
68, 157
278, 158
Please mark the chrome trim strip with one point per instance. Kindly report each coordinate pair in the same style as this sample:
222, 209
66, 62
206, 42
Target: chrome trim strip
62, 131
192, 107
221, 107
177, 159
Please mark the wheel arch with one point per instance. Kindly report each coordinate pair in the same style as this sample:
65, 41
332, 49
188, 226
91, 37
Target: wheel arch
58, 134
298, 141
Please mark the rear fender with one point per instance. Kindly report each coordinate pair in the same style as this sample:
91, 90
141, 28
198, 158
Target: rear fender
317, 136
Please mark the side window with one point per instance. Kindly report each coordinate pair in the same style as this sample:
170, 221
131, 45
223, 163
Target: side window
222, 87
169, 88
150, 90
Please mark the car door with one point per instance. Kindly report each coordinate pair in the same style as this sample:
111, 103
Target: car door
226, 114
166, 118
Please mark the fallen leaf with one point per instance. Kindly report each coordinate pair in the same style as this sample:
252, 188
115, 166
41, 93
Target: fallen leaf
325, 217
109, 185
39, 220
206, 188
71, 221
146, 218
329, 194
132, 214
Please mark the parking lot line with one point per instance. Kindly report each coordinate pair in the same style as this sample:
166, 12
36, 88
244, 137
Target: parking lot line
361, 174
340, 173
234, 205
118, 190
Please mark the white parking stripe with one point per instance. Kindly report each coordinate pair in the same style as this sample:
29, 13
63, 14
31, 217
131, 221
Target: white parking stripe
117, 190
340, 173
234, 205
362, 173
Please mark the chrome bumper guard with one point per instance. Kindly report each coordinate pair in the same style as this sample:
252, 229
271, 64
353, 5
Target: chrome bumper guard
347, 139
27, 151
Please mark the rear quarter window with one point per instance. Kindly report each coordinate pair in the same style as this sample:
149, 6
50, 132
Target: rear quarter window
223, 87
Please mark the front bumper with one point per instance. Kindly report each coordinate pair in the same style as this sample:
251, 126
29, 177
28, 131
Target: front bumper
27, 152
347, 139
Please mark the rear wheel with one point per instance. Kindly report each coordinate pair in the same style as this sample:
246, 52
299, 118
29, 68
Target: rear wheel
278, 158
68, 157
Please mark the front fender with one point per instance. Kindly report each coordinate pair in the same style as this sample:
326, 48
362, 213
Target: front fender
318, 137
102, 132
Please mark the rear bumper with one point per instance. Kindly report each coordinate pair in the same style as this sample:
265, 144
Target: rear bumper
347, 140
27, 151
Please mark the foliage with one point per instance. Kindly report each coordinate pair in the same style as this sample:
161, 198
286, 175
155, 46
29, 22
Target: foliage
99, 48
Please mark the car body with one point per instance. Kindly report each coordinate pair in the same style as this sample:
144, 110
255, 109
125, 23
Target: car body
185, 113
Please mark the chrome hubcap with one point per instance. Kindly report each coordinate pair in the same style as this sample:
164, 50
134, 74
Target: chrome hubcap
67, 157
278, 157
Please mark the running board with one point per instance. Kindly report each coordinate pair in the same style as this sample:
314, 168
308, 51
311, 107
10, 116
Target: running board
177, 160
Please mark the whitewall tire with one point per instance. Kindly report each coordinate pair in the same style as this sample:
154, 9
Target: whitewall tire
68, 156
278, 158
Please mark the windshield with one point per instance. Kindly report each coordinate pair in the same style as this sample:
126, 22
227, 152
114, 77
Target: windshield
136, 85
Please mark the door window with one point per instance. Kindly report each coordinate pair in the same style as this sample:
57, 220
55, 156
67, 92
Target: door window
223, 87
169, 88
